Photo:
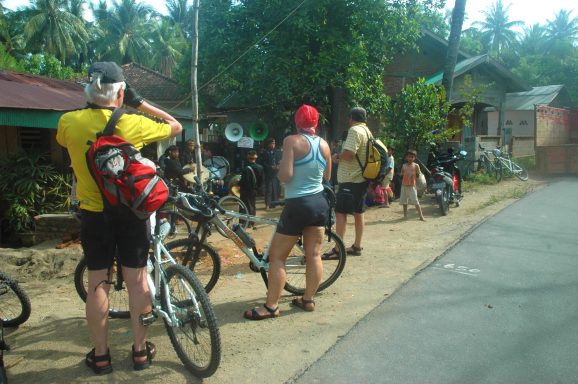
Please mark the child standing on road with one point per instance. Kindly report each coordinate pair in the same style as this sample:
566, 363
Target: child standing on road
410, 172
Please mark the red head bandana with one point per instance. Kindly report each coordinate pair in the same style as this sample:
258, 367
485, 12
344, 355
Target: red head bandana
306, 119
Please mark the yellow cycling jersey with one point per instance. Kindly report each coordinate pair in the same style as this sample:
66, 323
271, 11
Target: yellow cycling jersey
77, 128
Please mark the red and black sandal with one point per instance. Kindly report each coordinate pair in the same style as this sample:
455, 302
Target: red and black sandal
92, 359
149, 352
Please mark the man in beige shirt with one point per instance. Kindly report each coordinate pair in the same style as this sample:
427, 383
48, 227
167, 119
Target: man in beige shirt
352, 185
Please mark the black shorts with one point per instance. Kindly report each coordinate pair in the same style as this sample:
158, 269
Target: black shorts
351, 198
301, 212
102, 234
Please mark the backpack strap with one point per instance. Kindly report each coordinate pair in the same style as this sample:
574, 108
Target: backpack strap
367, 132
111, 124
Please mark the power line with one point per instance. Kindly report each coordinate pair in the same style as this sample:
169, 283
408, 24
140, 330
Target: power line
254, 45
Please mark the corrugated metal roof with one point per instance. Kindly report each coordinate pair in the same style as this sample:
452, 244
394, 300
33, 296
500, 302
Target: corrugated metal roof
525, 101
24, 91
468, 64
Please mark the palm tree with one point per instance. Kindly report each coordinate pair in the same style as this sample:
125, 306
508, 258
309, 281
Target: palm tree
3, 23
124, 28
496, 29
179, 14
563, 27
52, 29
458, 15
167, 45
533, 41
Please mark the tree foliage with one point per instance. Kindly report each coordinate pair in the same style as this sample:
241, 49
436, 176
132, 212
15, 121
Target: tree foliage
418, 116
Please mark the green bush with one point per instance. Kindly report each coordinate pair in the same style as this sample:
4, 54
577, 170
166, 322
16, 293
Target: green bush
30, 186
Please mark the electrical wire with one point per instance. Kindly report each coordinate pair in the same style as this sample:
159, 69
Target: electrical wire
254, 45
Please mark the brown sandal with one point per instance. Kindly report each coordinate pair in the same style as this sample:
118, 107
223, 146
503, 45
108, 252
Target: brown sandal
354, 251
300, 302
92, 359
149, 352
252, 314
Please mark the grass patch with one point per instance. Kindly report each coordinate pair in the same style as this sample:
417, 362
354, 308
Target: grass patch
477, 179
516, 194
526, 162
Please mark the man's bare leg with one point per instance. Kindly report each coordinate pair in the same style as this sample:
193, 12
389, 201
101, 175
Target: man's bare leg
139, 303
97, 311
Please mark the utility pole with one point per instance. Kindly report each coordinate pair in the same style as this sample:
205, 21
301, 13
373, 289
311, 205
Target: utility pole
194, 88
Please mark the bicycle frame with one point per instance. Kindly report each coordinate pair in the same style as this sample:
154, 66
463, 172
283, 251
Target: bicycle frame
155, 282
259, 262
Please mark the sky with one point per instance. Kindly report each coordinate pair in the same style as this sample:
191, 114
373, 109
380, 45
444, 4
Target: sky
530, 12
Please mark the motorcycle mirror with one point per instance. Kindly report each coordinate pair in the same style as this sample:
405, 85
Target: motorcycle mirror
463, 153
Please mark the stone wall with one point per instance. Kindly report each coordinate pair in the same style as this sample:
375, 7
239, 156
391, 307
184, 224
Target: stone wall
62, 226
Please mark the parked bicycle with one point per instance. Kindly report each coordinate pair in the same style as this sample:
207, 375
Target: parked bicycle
15, 309
182, 227
196, 252
15, 305
487, 163
178, 297
3, 347
509, 167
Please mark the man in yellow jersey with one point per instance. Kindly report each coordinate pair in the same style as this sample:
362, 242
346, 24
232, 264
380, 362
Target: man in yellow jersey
104, 231
352, 185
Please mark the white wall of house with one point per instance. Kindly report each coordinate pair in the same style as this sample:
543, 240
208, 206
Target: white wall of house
521, 122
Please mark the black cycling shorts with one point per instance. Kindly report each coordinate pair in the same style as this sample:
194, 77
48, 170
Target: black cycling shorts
351, 198
301, 212
102, 234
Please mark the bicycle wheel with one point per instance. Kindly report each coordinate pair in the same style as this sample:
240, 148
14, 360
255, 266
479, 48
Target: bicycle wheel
234, 204
117, 297
180, 226
195, 337
498, 170
14, 303
202, 259
332, 267
519, 172
470, 168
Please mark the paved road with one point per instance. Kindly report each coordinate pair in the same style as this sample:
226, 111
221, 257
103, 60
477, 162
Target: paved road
499, 307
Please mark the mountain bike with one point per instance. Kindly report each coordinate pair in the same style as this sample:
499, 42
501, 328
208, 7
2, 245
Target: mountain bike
3, 347
178, 298
182, 227
15, 309
487, 163
15, 305
195, 252
510, 168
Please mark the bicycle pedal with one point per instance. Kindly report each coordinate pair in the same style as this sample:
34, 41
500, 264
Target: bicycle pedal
147, 319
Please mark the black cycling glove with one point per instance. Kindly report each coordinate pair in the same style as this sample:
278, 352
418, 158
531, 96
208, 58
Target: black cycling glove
132, 98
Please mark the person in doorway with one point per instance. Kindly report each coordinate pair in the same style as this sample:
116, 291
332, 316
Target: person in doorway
187, 154
306, 162
409, 173
174, 171
104, 231
388, 179
251, 181
352, 186
269, 159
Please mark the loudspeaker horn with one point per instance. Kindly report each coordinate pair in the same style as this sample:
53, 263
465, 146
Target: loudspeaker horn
259, 131
234, 132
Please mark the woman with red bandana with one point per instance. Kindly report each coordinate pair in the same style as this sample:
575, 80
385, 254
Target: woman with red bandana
306, 162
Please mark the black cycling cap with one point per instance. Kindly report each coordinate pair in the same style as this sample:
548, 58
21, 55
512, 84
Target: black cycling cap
111, 72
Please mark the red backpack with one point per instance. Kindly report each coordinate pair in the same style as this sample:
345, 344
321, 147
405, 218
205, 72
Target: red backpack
122, 174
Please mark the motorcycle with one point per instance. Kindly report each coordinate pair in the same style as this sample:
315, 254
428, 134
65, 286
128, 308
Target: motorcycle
445, 180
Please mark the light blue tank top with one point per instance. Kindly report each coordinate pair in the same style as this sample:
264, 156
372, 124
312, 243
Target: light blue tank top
307, 172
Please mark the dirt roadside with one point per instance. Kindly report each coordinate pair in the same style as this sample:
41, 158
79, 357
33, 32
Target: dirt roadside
50, 347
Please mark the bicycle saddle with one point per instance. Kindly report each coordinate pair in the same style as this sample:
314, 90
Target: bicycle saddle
193, 207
